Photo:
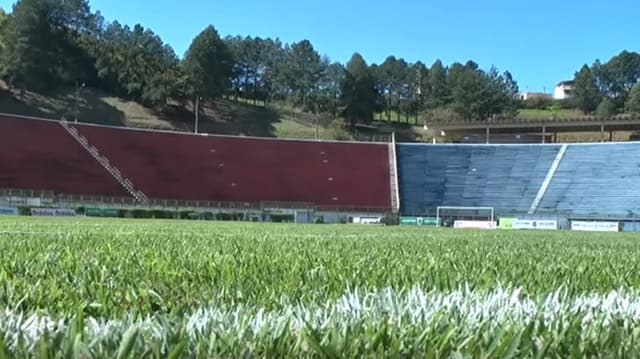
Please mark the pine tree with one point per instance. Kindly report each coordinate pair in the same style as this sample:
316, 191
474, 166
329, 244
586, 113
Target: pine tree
585, 90
358, 92
208, 65
633, 104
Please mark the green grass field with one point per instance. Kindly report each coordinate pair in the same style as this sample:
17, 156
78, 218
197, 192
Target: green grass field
133, 288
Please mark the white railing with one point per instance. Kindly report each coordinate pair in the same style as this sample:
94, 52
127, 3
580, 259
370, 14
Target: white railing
104, 162
393, 175
547, 181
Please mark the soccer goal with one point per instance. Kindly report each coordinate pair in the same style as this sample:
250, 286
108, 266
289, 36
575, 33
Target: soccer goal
448, 215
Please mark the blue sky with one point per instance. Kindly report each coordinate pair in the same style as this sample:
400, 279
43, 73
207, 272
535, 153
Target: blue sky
541, 42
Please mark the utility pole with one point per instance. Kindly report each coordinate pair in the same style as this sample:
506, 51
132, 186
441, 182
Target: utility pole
77, 110
197, 113
316, 128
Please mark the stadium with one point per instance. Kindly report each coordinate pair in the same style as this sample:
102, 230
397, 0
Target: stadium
68, 168
214, 284
258, 179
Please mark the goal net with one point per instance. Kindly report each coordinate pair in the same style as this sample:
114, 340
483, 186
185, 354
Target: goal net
479, 217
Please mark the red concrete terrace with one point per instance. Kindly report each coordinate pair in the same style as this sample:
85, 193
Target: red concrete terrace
36, 154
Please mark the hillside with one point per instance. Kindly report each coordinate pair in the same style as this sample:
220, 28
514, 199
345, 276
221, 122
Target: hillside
225, 117
222, 117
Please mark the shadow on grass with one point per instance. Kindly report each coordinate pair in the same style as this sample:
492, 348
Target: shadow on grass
226, 118
54, 106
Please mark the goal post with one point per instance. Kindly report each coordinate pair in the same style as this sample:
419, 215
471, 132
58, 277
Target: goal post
446, 214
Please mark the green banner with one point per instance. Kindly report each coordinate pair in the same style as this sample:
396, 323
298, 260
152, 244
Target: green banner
101, 212
419, 221
93, 212
111, 212
506, 223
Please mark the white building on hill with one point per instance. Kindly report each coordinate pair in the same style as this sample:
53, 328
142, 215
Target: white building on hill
563, 90
533, 95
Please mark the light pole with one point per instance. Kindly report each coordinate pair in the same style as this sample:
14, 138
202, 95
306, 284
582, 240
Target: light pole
316, 128
78, 88
197, 112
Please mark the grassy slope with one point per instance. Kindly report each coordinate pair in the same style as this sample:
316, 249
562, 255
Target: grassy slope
219, 117
536, 114
241, 118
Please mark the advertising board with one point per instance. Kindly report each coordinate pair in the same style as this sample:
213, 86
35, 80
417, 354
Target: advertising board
101, 212
595, 226
506, 223
544, 224
53, 212
367, 220
419, 221
8, 211
475, 224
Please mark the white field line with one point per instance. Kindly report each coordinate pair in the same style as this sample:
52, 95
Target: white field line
50, 233
70, 232
414, 307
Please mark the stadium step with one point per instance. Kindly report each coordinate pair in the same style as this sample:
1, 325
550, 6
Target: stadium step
104, 162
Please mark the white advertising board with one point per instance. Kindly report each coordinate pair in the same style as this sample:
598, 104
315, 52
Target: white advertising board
367, 220
475, 224
8, 211
535, 224
53, 212
595, 226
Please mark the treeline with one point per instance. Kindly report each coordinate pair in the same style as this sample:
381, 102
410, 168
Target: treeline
47, 44
611, 88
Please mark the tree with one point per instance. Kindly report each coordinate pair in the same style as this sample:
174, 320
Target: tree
304, 69
468, 90
136, 64
479, 95
501, 95
512, 95
619, 75
208, 65
33, 36
331, 89
381, 87
606, 108
246, 55
44, 43
254, 62
358, 92
438, 92
4, 19
392, 76
417, 80
633, 104
585, 90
